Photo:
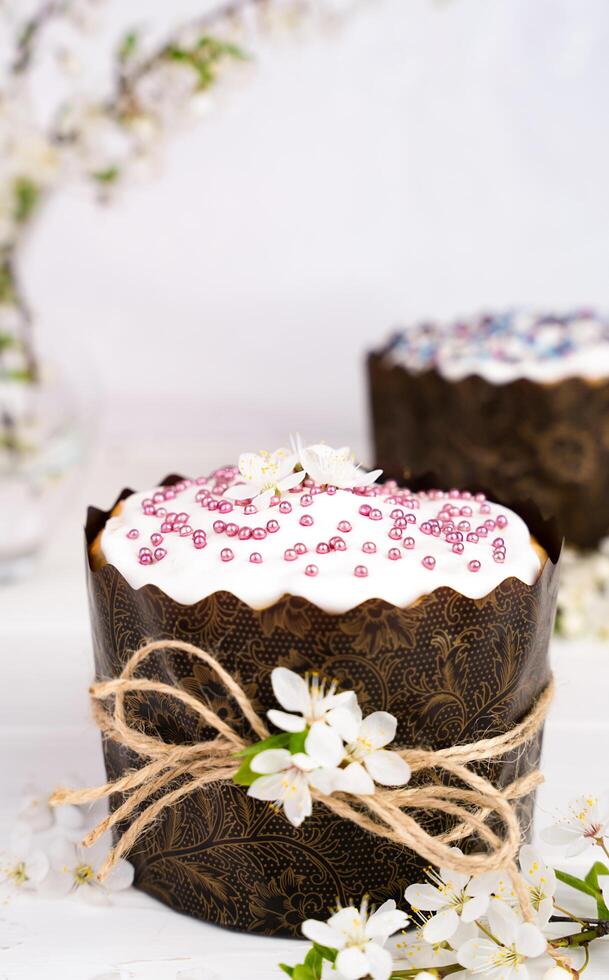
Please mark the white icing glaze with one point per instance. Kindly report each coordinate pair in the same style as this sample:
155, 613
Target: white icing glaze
507, 346
188, 574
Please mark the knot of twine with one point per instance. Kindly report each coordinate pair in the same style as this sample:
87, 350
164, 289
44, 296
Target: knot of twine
383, 814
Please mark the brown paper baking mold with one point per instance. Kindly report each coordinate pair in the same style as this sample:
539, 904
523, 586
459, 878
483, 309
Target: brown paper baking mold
451, 669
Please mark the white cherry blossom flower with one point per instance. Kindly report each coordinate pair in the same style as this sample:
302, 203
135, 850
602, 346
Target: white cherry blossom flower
334, 467
359, 939
453, 897
505, 959
411, 952
331, 716
539, 878
586, 823
74, 870
558, 973
367, 752
34, 810
25, 866
541, 881
286, 780
265, 475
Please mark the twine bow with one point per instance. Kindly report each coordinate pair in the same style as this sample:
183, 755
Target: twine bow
383, 814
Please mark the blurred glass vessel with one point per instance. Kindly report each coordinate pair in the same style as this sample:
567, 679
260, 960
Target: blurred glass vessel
45, 431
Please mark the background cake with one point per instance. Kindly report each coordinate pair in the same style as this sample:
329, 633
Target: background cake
518, 400
436, 606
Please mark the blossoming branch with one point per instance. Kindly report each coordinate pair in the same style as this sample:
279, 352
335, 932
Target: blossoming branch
472, 926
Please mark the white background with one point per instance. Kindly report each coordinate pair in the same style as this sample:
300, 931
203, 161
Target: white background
434, 158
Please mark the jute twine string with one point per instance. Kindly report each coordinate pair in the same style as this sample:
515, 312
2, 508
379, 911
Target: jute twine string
173, 771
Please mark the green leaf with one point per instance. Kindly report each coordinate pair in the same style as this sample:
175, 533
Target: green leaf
287, 969
577, 883
7, 341
127, 46
302, 972
27, 194
8, 292
598, 869
245, 776
326, 953
108, 176
280, 741
314, 961
297, 741
18, 374
207, 53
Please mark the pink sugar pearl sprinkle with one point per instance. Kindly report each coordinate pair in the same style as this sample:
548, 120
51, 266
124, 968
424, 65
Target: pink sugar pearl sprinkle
429, 562
360, 571
311, 570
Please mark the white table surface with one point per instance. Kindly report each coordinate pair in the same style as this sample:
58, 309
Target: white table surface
45, 733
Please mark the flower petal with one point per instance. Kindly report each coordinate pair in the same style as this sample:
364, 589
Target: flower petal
354, 779
441, 926
578, 846
477, 954
69, 817
323, 934
383, 923
530, 941
377, 730
271, 760
364, 479
474, 908
290, 689
387, 768
37, 866
291, 480
325, 779
241, 491
559, 835
426, 898
380, 961
324, 745
503, 922
120, 877
271, 788
352, 963
263, 500
298, 804
345, 719
289, 723
62, 854
347, 921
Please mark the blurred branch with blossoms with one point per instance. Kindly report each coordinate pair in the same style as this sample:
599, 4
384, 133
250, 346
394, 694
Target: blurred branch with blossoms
461, 926
102, 140
583, 598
